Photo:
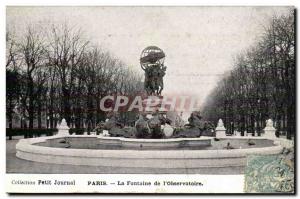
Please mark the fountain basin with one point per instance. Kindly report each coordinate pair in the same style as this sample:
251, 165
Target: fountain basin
100, 142
30, 149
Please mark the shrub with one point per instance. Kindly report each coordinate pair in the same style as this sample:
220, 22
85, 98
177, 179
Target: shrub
77, 131
29, 133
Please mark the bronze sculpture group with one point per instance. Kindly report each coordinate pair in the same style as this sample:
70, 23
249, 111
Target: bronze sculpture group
154, 79
152, 62
151, 128
144, 127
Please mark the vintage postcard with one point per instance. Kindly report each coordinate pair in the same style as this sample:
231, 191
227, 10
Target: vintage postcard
151, 99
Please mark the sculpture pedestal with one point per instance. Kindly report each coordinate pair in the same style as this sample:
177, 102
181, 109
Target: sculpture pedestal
220, 130
63, 132
269, 133
153, 104
269, 130
220, 133
63, 129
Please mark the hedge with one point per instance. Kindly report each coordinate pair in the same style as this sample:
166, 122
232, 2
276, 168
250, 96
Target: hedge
77, 131
30, 133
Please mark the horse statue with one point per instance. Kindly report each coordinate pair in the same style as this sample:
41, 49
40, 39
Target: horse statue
115, 128
195, 128
150, 128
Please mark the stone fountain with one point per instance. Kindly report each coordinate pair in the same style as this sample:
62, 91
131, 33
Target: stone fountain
144, 145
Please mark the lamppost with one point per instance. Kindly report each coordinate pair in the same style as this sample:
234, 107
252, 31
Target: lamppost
73, 121
56, 118
55, 122
226, 108
48, 122
21, 122
259, 117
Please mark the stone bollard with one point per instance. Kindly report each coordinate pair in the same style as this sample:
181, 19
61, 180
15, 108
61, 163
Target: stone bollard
167, 130
63, 128
269, 130
93, 133
220, 130
105, 133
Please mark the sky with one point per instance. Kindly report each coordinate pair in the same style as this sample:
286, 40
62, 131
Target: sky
200, 43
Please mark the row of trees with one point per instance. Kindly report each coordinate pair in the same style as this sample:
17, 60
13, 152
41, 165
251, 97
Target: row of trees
262, 83
56, 73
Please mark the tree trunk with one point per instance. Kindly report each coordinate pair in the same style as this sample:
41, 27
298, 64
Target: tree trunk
66, 104
31, 102
39, 115
31, 113
10, 114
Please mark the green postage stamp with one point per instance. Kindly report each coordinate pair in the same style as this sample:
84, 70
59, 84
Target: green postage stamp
270, 173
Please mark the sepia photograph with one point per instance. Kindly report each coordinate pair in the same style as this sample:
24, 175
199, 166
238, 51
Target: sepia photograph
156, 99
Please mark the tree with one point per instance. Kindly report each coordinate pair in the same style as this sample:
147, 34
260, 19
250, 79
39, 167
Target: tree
12, 93
66, 52
62, 76
262, 83
32, 50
